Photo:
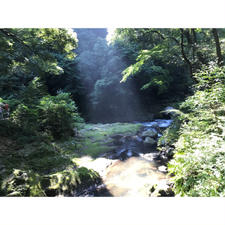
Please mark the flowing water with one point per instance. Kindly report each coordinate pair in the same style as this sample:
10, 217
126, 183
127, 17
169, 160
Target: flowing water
130, 170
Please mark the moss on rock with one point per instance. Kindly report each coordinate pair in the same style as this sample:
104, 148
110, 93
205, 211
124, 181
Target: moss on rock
97, 138
22, 183
88, 176
66, 183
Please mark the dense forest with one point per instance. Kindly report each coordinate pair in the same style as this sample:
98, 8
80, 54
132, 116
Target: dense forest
80, 109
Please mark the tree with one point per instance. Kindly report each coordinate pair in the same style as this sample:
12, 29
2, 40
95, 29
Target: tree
218, 48
29, 58
189, 48
30, 53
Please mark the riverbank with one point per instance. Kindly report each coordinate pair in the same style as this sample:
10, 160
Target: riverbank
68, 168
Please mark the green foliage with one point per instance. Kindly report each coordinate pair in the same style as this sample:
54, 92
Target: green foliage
198, 165
58, 115
29, 53
88, 177
209, 75
31, 94
171, 50
8, 128
159, 81
25, 118
21, 183
29, 57
157, 67
55, 115
24, 108
171, 134
42, 168
158, 78
44, 157
142, 58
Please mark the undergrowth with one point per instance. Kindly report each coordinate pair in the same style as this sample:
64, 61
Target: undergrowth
198, 164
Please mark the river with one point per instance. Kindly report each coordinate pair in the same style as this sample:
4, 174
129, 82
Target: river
133, 168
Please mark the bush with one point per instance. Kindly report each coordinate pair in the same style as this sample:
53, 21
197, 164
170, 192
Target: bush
198, 164
25, 118
7, 128
58, 115
208, 76
54, 116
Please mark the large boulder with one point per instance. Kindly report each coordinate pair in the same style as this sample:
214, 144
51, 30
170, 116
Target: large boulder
21, 183
152, 132
132, 141
65, 183
69, 182
170, 112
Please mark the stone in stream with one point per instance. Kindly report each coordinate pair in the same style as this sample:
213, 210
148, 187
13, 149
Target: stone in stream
162, 189
126, 154
99, 164
117, 139
123, 154
126, 170
149, 156
149, 142
162, 169
170, 112
137, 140
132, 141
152, 132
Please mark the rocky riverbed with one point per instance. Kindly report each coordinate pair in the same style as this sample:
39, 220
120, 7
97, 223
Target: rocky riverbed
133, 167
115, 159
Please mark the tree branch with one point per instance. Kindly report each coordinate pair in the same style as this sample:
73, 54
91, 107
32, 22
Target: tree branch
9, 34
183, 53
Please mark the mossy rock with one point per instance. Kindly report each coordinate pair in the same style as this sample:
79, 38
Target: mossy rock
170, 113
22, 183
61, 183
99, 138
88, 177
68, 182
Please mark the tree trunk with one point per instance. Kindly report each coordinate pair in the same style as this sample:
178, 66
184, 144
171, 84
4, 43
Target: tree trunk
194, 43
218, 49
183, 53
